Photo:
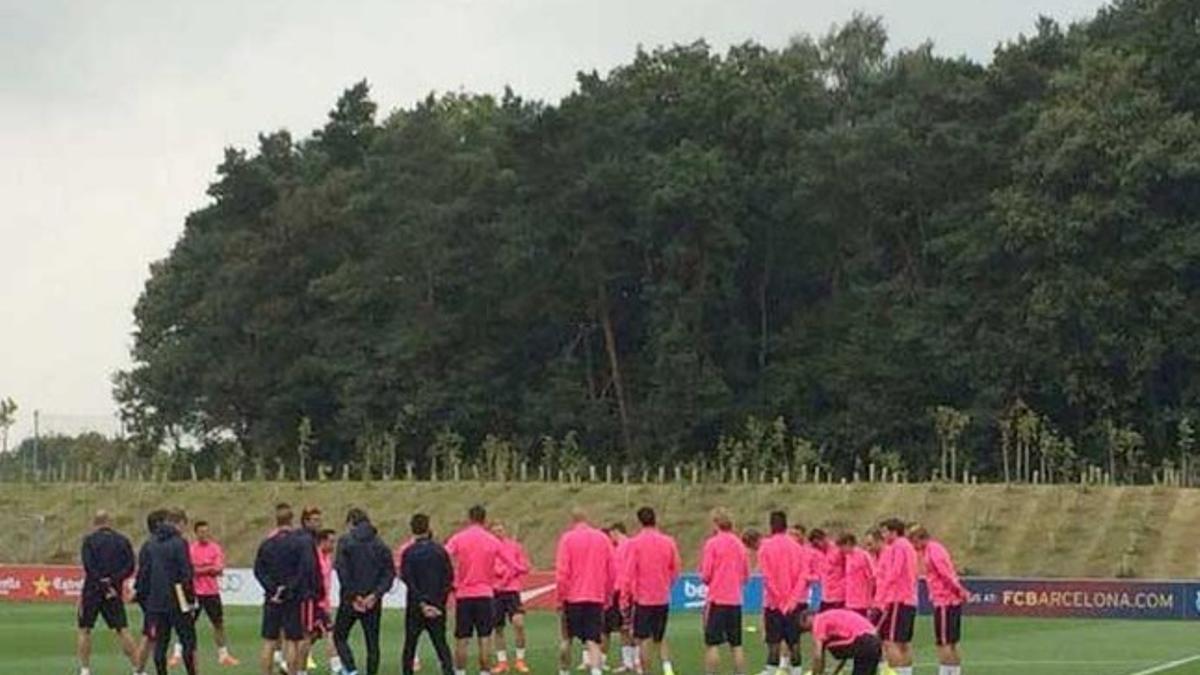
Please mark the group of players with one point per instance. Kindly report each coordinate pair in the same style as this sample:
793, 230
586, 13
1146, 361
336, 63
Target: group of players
607, 584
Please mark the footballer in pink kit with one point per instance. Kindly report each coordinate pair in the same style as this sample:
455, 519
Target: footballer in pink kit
652, 564
476, 554
724, 569
896, 595
509, 608
846, 635
860, 575
832, 566
208, 564
948, 595
785, 591
617, 615
585, 576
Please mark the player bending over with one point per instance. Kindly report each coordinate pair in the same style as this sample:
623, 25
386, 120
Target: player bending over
948, 595
724, 568
848, 636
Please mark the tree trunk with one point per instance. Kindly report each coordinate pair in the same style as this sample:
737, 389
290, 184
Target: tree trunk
610, 345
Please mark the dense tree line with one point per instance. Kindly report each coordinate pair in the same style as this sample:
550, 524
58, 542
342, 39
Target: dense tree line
903, 257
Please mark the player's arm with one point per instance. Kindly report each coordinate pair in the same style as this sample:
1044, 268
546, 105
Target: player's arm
385, 575
706, 565
676, 562
818, 656
127, 562
944, 566
141, 585
562, 569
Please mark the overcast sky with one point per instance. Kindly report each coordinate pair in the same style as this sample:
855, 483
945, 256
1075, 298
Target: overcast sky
113, 114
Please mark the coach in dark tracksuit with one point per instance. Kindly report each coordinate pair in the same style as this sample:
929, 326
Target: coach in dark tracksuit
107, 558
365, 572
164, 589
426, 571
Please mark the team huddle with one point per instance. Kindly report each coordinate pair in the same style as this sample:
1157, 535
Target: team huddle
858, 603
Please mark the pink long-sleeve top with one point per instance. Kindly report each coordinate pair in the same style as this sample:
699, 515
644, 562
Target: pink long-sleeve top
945, 588
724, 568
585, 566
652, 565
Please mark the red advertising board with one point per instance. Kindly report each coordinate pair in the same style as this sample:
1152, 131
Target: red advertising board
40, 583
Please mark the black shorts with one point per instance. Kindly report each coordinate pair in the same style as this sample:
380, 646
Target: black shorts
650, 622
947, 625
723, 625
897, 623
583, 621
212, 608
112, 609
614, 618
474, 617
293, 620
866, 652
826, 606
508, 605
780, 627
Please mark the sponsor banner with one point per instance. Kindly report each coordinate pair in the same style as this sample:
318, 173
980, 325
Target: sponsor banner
40, 583
1084, 598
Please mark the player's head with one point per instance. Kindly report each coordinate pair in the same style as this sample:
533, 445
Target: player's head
477, 515
283, 515
721, 519
806, 622
892, 529
310, 518
616, 532
751, 538
817, 538
799, 533
326, 539
419, 525
873, 541
356, 516
847, 542
647, 517
177, 519
101, 519
578, 515
778, 522
155, 519
201, 530
498, 529
919, 536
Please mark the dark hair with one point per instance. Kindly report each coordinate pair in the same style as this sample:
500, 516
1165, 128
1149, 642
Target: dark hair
155, 518
309, 512
778, 522
918, 533
199, 524
798, 527
177, 517
283, 514
816, 535
847, 539
617, 527
646, 517
326, 534
894, 525
355, 516
477, 514
419, 524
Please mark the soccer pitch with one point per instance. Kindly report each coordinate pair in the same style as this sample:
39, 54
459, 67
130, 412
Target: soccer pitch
39, 640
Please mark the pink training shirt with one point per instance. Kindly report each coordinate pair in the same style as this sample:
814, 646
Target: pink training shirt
475, 553
724, 568
781, 561
945, 589
207, 555
840, 628
585, 566
896, 577
833, 578
509, 576
860, 579
652, 564
325, 565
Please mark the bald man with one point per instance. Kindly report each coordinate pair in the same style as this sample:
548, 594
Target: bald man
107, 558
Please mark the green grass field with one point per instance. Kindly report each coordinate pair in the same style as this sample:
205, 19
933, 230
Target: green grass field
39, 640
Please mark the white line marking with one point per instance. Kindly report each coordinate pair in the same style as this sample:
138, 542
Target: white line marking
1167, 666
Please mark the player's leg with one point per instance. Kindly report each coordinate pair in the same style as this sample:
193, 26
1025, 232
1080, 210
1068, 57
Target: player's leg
437, 634
463, 632
83, 650
185, 627
162, 642
500, 642
713, 637
947, 625
344, 620
412, 636
867, 653
266, 657
214, 609
371, 624
117, 621
792, 634
564, 640
518, 624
